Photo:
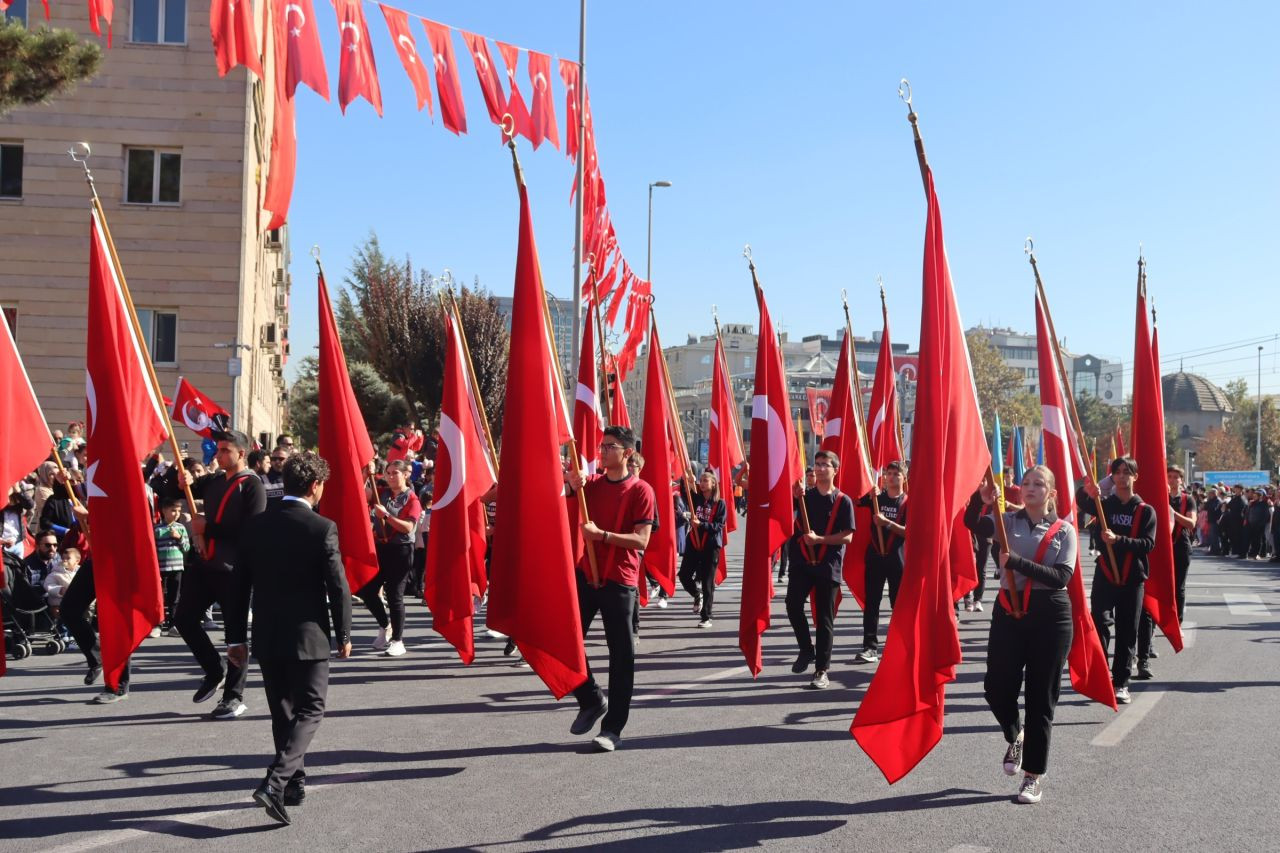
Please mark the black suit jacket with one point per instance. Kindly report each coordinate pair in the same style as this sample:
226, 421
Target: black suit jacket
289, 560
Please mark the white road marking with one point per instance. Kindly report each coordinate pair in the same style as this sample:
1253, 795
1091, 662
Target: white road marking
1216, 585
693, 685
1128, 719
166, 824
969, 848
1246, 604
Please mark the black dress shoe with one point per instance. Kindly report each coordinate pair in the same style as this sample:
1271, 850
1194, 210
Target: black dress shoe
587, 717
92, 675
1144, 672
271, 801
1153, 654
802, 662
295, 792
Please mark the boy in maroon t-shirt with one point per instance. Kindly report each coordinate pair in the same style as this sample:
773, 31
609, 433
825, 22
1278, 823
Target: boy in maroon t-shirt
623, 512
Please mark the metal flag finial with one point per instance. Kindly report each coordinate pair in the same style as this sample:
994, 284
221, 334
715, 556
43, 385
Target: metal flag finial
315, 253
904, 92
1029, 247
880, 282
79, 152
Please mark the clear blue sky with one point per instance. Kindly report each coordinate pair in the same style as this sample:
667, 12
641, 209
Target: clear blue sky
1090, 126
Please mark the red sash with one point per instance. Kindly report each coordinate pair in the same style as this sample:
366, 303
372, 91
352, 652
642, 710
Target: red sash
831, 523
1043, 549
222, 506
1108, 571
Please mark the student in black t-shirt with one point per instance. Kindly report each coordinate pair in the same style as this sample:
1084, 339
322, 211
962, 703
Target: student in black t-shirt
817, 559
1116, 597
884, 556
1183, 512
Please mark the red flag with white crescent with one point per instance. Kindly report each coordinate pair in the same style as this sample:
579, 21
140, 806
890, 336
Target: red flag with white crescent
588, 429
478, 46
542, 115
569, 74
193, 408
775, 469
448, 88
125, 422
284, 152
234, 40
300, 50
516, 106
724, 446
844, 430
1087, 660
407, 50
463, 473
357, 71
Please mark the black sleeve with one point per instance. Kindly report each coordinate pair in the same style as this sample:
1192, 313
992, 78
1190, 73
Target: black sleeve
253, 501
844, 519
1145, 541
237, 615
983, 526
717, 522
1055, 576
335, 580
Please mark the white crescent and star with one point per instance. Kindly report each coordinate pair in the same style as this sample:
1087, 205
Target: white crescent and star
760, 409
442, 67
540, 82
200, 422
91, 399
451, 438
406, 42
302, 18
482, 60
355, 34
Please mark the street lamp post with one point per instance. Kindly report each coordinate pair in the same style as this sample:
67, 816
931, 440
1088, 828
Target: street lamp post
648, 265
233, 369
1257, 453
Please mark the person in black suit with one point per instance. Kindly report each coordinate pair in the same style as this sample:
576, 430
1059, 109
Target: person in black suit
289, 560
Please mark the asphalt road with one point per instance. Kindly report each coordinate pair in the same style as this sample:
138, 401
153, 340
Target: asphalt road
422, 753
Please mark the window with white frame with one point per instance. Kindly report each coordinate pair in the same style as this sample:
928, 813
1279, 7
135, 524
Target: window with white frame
160, 332
159, 22
17, 11
10, 170
152, 176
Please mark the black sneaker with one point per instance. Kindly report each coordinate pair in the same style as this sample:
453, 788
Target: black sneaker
208, 686
802, 662
1013, 757
1153, 654
867, 656
1144, 671
587, 718
92, 675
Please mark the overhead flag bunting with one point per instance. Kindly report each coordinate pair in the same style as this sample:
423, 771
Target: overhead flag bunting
407, 49
490, 88
357, 71
234, 41
298, 43
452, 112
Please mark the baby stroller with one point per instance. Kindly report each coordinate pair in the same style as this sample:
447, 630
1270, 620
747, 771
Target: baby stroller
28, 624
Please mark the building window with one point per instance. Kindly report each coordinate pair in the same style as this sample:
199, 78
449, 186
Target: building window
10, 171
160, 329
11, 317
746, 362
153, 176
159, 21
17, 11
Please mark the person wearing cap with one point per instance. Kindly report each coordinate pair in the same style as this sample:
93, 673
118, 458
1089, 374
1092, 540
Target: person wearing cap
231, 497
884, 555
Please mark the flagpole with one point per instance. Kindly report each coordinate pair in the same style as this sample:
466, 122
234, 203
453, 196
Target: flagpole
574, 461
1030, 250
755, 282
862, 417
602, 368
471, 378
672, 413
579, 181
724, 365
137, 328
897, 410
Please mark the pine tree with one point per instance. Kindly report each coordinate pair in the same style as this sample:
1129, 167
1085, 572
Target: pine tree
37, 65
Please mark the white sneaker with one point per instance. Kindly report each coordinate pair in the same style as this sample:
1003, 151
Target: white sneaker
1013, 757
155, 632
1122, 696
496, 635
968, 603
662, 602
977, 606
705, 623
395, 649
1030, 791
383, 640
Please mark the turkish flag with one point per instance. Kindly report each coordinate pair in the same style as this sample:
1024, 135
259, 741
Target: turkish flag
543, 114
661, 466
455, 548
487, 75
284, 131
1147, 444
845, 431
515, 101
201, 415
883, 429
618, 413
345, 445
97, 9
357, 72
407, 48
533, 594
724, 446
569, 74
452, 110
25, 441
900, 719
234, 42
587, 427
299, 47
1087, 660
124, 422
775, 469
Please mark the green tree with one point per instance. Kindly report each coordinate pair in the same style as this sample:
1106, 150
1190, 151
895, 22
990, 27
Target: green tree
996, 383
37, 65
383, 410
1221, 451
1243, 427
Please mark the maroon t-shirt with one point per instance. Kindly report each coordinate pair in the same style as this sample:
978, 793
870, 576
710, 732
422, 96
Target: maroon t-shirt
618, 506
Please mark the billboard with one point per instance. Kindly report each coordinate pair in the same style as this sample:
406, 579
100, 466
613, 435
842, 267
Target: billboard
1249, 479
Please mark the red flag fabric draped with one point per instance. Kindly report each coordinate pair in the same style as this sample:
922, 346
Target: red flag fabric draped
407, 49
724, 446
125, 423
1119, 442
345, 445
284, 131
452, 111
775, 468
455, 548
660, 461
25, 441
194, 408
487, 75
1147, 442
883, 429
1087, 660
357, 72
533, 594
98, 9
234, 41
569, 74
587, 427
900, 719
843, 435
303, 56
542, 116
515, 101
618, 412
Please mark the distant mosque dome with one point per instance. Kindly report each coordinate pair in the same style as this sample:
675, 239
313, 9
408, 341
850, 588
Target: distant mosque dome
1187, 392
